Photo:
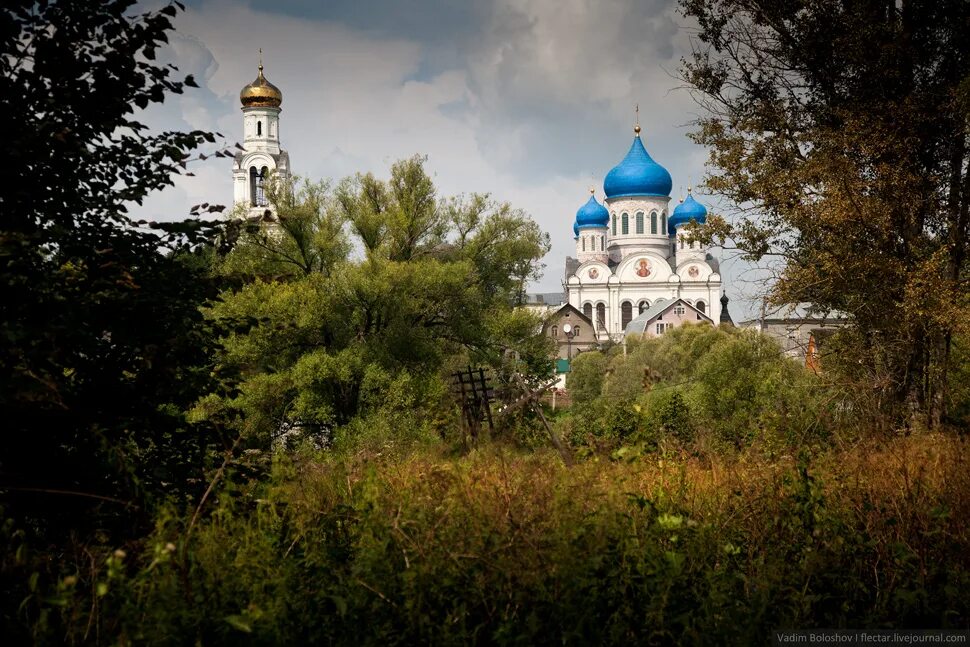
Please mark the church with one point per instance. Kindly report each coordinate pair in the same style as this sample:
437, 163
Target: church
634, 271
633, 263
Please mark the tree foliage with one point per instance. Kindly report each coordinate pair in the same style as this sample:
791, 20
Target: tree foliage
342, 339
102, 346
839, 131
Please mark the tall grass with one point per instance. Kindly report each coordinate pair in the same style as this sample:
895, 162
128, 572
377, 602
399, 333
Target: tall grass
512, 548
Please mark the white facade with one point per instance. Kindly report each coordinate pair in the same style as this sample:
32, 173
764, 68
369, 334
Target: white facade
638, 258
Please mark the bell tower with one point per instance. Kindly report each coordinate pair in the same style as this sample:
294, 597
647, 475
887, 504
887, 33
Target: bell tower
262, 155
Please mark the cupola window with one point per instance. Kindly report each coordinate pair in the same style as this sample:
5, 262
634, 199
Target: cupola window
653, 222
626, 224
259, 128
639, 222
614, 224
663, 222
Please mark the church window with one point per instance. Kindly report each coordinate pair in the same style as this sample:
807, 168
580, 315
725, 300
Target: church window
601, 316
614, 224
639, 222
602, 243
681, 242
663, 223
588, 310
584, 243
626, 314
259, 128
700, 306
643, 306
626, 224
653, 222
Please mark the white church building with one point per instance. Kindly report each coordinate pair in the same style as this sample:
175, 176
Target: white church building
632, 256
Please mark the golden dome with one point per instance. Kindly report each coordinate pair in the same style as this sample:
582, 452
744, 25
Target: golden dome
261, 93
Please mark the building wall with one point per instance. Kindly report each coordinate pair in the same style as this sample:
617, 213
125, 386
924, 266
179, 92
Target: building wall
643, 276
673, 320
585, 340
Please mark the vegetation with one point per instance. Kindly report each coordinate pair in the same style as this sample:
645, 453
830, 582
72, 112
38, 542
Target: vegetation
509, 548
839, 130
231, 432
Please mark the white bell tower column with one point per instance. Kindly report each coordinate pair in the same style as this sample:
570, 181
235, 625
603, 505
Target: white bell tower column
262, 155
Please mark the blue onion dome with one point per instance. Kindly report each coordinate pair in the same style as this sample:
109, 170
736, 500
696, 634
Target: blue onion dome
689, 209
591, 214
637, 174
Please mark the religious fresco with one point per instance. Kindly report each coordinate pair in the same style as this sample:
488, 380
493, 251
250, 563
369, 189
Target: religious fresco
643, 268
594, 273
693, 272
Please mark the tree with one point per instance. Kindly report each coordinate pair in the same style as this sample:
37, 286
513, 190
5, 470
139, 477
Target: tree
102, 345
350, 339
838, 130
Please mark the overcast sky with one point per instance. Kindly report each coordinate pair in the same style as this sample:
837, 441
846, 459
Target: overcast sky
529, 100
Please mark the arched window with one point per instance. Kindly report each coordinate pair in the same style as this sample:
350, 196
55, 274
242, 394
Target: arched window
575, 331
614, 224
626, 314
259, 128
554, 331
681, 242
639, 222
653, 222
588, 310
601, 316
700, 306
626, 224
255, 184
643, 306
663, 223
602, 243
584, 243
257, 190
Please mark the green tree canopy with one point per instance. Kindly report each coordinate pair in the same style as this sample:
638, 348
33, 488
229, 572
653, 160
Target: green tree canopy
342, 336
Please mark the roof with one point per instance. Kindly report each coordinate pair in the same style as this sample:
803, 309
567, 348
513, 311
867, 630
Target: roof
798, 313
552, 317
547, 298
637, 174
689, 209
639, 324
591, 214
572, 264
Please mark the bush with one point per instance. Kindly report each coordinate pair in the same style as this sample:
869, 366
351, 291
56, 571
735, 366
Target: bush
734, 388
